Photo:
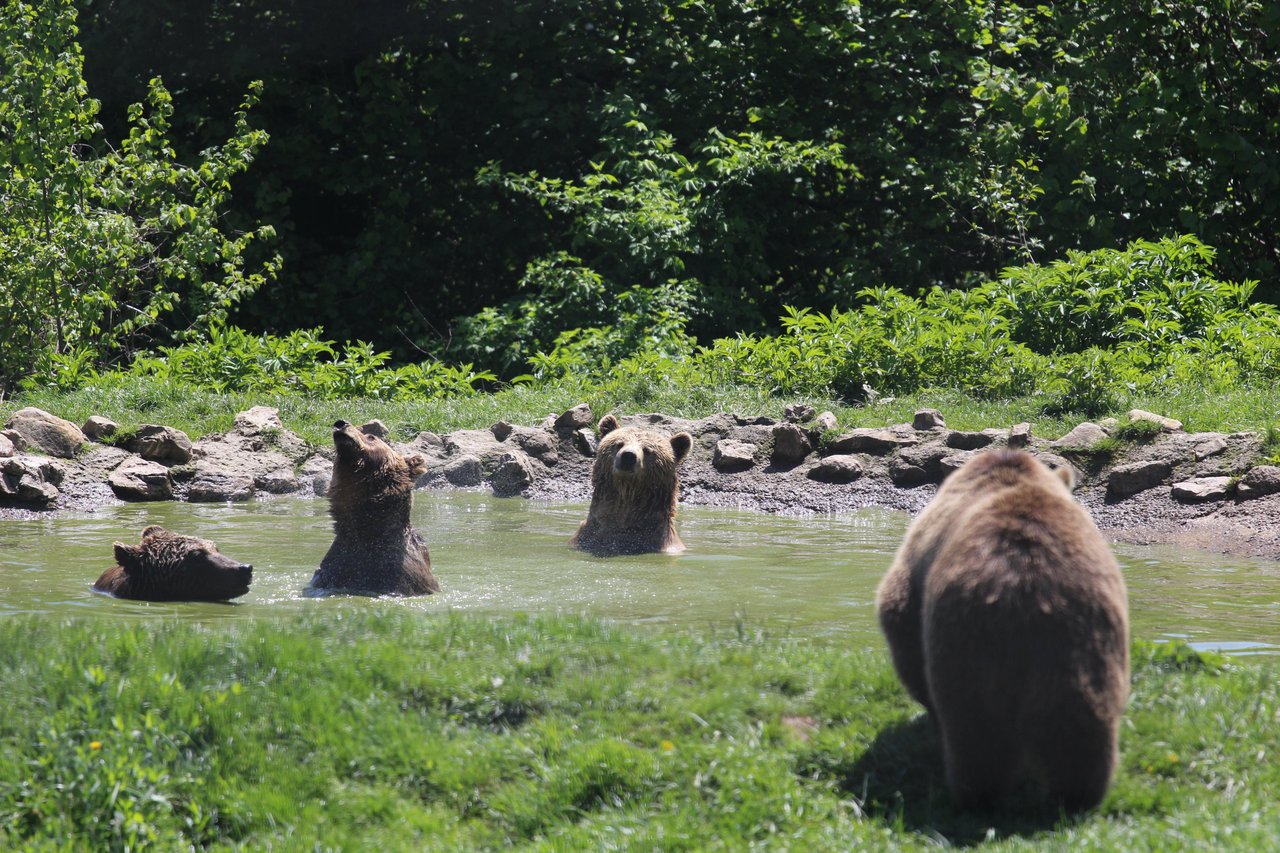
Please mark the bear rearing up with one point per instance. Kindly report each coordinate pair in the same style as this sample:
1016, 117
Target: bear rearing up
169, 567
375, 549
634, 492
1005, 613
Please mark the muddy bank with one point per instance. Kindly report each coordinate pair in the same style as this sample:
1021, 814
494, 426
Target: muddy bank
1150, 484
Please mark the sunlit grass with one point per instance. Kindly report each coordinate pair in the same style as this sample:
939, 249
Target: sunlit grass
396, 731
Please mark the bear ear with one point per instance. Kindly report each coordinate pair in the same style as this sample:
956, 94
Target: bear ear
607, 425
1067, 475
681, 443
417, 465
127, 556
153, 530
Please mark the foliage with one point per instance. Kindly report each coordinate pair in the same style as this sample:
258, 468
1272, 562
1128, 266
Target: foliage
559, 733
101, 247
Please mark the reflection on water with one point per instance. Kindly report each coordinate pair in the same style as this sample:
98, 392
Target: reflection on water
809, 576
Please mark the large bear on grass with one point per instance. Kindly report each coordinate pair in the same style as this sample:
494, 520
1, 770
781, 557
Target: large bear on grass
1005, 614
375, 549
634, 492
169, 567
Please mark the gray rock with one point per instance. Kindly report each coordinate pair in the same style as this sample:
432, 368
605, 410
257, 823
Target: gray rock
429, 442
927, 419
213, 485
479, 443
1166, 424
501, 430
1211, 446
928, 457
907, 476
46, 433
317, 469
954, 462
513, 475
32, 490
98, 428
538, 443
1134, 477
968, 440
1081, 439
790, 444
282, 481
585, 441
798, 413
136, 479
30, 479
1020, 435
6, 447
259, 429
836, 469
376, 428
465, 471
874, 441
825, 422
574, 419
1259, 481
160, 444
1202, 490
733, 455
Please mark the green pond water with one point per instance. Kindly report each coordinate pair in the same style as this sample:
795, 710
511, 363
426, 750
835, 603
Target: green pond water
795, 576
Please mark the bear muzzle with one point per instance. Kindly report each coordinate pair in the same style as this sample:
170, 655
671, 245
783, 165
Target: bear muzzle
626, 460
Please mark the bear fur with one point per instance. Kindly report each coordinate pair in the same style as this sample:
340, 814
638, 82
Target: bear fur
170, 567
375, 549
1005, 613
634, 492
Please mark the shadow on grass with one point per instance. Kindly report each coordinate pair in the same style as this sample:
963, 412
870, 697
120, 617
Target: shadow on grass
900, 781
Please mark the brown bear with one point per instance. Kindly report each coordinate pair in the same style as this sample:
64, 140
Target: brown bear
634, 492
1006, 616
375, 549
169, 567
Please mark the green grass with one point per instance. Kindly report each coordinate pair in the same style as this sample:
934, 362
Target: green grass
399, 731
132, 401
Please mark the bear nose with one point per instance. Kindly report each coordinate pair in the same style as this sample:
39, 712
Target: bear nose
625, 460
340, 424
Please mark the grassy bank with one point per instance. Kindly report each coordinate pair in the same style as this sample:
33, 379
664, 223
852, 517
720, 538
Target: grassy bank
137, 400
395, 732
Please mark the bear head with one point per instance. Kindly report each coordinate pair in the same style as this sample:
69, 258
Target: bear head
638, 459
368, 470
168, 566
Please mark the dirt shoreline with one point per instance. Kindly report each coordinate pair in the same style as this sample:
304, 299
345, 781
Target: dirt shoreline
1204, 491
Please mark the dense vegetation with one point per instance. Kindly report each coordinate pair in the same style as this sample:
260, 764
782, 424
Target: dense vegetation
481, 182
396, 732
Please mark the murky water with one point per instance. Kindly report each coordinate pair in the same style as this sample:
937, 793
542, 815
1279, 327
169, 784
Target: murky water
813, 576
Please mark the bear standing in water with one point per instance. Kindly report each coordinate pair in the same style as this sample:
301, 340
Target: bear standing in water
1006, 616
168, 567
634, 492
375, 549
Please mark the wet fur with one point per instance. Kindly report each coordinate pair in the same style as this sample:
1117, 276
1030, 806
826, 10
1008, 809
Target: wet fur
1006, 616
633, 512
167, 566
375, 549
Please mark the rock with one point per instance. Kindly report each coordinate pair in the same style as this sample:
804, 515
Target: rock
160, 444
477, 442
1166, 424
30, 479
6, 447
465, 471
968, 440
501, 430
257, 420
907, 476
46, 433
213, 485
376, 428
1082, 439
927, 457
136, 479
1211, 446
15, 438
538, 443
1202, 490
99, 429
574, 419
282, 481
1020, 435
927, 419
950, 464
874, 441
798, 413
733, 455
513, 475
790, 444
585, 441
429, 442
259, 429
1134, 477
836, 469
825, 422
549, 422
32, 490
1259, 481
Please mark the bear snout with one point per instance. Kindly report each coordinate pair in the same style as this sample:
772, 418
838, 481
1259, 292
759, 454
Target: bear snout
340, 424
626, 460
